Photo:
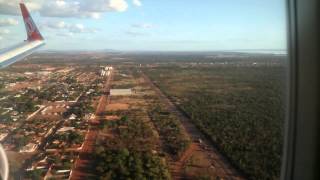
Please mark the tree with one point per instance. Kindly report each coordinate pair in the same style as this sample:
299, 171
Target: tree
54, 160
35, 174
22, 141
126, 164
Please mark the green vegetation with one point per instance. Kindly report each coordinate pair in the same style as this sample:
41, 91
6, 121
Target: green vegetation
80, 109
54, 159
21, 103
131, 133
240, 108
131, 152
5, 118
35, 174
70, 80
61, 91
61, 161
20, 79
124, 164
168, 126
2, 85
21, 141
70, 137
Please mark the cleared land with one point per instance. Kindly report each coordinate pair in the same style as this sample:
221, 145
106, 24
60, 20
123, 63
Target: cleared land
146, 127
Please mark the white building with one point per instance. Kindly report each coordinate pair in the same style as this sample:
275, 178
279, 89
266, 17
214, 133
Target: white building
73, 117
108, 68
29, 148
106, 71
65, 129
120, 92
2, 136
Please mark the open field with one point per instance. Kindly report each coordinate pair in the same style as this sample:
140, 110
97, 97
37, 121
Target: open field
127, 146
145, 124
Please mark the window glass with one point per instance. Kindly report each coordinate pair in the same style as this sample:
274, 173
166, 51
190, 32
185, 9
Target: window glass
138, 89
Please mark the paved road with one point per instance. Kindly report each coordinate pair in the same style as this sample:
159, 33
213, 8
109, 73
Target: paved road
219, 163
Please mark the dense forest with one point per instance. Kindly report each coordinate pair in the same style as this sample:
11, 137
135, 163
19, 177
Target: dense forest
240, 108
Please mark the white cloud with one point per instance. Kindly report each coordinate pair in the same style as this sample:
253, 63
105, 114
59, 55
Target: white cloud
95, 15
137, 3
99, 6
60, 8
8, 22
80, 28
4, 31
118, 5
143, 26
65, 28
11, 7
66, 8
65, 34
54, 25
77, 28
135, 33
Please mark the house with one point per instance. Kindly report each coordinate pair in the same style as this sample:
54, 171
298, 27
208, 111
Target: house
29, 148
108, 68
3, 135
28, 73
65, 129
73, 117
14, 113
63, 171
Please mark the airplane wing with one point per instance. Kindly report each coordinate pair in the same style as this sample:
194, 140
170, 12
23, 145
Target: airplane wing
35, 40
13, 54
4, 166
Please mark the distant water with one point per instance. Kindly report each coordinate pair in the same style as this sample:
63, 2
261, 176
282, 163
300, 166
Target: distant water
263, 51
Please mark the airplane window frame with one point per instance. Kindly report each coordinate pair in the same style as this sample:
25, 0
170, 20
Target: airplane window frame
301, 157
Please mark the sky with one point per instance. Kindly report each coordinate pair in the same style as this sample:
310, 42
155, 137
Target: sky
149, 25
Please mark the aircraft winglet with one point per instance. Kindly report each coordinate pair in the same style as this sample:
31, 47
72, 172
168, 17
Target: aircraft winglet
18, 52
32, 30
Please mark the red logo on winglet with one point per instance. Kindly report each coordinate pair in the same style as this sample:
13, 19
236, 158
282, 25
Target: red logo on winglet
32, 31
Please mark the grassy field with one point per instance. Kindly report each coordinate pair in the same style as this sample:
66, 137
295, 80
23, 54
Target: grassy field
239, 107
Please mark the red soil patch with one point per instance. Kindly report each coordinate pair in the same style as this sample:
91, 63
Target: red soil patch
117, 107
112, 118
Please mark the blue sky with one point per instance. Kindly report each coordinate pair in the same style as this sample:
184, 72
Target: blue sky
165, 25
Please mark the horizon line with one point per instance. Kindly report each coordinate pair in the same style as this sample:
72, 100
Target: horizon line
117, 50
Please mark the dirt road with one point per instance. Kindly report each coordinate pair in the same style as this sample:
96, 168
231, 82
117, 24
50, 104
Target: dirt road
219, 163
83, 167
